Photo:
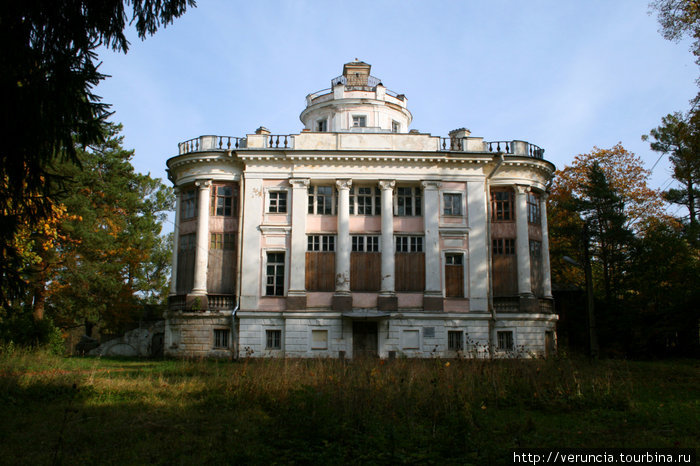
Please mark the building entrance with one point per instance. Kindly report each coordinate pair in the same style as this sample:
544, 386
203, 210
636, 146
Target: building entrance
364, 339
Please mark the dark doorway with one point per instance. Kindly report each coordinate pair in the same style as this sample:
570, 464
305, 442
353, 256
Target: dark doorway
157, 345
549, 347
364, 339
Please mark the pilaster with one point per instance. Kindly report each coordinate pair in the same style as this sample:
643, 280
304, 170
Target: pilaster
176, 242
478, 246
342, 300
387, 300
546, 269
432, 298
296, 296
522, 243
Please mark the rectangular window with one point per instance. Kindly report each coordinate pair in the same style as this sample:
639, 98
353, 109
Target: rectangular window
503, 246
505, 340
319, 339
223, 201
409, 244
225, 241
452, 204
453, 259
221, 337
395, 126
455, 341
278, 202
359, 121
322, 126
365, 243
188, 204
273, 339
187, 242
365, 200
322, 243
275, 274
502, 206
322, 200
533, 209
408, 201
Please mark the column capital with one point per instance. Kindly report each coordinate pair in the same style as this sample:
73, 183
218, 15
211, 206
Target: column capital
430, 184
343, 183
299, 183
522, 189
203, 184
386, 184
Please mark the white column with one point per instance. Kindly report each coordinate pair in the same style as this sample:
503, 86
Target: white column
546, 271
342, 255
176, 242
431, 215
297, 267
201, 254
387, 288
522, 243
478, 247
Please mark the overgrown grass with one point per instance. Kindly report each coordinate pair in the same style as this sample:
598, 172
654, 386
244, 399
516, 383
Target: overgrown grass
68, 411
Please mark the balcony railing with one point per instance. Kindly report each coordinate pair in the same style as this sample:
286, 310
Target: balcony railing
220, 302
287, 141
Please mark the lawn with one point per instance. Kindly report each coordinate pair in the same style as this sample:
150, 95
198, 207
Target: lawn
114, 411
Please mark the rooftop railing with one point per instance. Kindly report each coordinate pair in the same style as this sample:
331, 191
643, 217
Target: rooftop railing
286, 141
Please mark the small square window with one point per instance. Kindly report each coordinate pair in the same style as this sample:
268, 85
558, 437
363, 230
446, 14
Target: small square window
455, 340
359, 121
505, 340
278, 202
322, 126
273, 339
221, 337
452, 204
319, 339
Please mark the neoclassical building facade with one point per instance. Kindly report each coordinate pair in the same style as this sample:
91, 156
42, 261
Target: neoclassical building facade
359, 236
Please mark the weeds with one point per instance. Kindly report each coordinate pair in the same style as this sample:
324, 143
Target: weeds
287, 410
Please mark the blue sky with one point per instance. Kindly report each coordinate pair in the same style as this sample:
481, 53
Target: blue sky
565, 75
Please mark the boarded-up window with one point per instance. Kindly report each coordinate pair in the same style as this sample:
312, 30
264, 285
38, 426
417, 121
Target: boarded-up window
185, 263
505, 272
221, 272
454, 275
409, 264
536, 267
365, 271
320, 271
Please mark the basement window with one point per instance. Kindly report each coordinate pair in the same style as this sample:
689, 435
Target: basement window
221, 338
273, 339
505, 340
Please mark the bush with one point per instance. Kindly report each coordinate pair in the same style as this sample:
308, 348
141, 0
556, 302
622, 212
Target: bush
20, 329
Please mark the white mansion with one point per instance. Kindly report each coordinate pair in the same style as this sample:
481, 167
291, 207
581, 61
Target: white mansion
359, 236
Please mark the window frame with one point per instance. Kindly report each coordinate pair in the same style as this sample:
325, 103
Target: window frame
412, 201
451, 334
534, 212
277, 192
188, 204
275, 275
501, 207
368, 242
375, 200
322, 125
222, 241
313, 198
268, 333
503, 246
217, 336
215, 196
320, 243
504, 332
361, 121
460, 201
405, 244
395, 127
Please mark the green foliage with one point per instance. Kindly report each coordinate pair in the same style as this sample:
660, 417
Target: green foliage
47, 76
679, 137
20, 329
115, 260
